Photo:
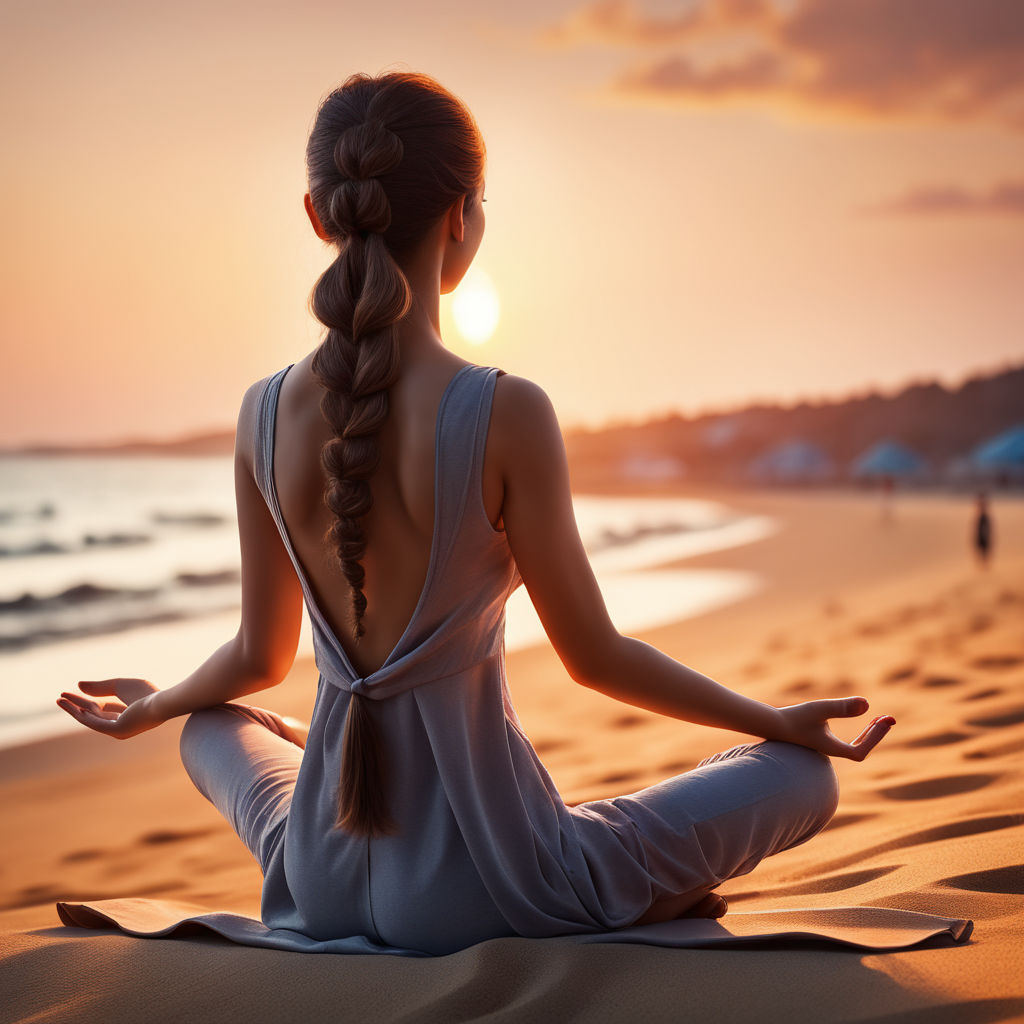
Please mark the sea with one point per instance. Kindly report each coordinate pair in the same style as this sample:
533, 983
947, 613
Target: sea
130, 566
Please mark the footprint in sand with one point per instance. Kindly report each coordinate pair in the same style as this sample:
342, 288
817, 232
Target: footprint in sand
150, 838
956, 829
800, 686
628, 721
171, 835
872, 629
998, 661
619, 778
939, 739
903, 672
999, 750
982, 694
937, 833
545, 747
77, 855
938, 681
30, 895
930, 789
839, 820
1002, 880
1013, 716
836, 883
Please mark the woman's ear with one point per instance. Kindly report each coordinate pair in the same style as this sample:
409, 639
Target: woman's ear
315, 220
456, 219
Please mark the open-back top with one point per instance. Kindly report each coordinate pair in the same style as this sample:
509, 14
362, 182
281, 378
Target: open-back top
485, 845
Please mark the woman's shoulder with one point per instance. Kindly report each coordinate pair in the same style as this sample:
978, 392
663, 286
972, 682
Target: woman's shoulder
522, 416
517, 397
248, 413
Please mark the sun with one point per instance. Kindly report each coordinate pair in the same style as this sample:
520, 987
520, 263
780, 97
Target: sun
475, 306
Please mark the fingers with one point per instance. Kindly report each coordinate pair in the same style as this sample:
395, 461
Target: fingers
99, 687
870, 737
844, 707
872, 732
101, 723
106, 709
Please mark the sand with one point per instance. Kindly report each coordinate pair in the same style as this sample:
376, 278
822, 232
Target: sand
932, 821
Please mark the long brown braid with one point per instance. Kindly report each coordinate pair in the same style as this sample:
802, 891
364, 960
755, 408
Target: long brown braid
387, 157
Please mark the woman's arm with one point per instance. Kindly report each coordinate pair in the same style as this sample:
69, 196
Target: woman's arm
256, 658
544, 538
261, 653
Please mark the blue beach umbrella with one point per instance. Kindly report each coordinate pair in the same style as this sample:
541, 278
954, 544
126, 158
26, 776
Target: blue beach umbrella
887, 458
1005, 451
792, 461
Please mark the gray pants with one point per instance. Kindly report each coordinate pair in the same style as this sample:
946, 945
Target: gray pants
238, 760
745, 803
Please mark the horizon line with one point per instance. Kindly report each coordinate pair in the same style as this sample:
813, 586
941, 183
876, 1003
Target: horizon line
209, 434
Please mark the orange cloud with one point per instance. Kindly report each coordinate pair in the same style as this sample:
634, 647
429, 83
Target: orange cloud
1004, 198
618, 23
952, 60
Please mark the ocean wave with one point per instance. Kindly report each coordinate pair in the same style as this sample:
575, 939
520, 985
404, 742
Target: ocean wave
75, 596
45, 546
38, 547
612, 538
95, 594
217, 578
44, 510
189, 518
46, 634
115, 540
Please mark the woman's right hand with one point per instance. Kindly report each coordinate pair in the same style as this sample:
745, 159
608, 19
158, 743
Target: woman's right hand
807, 725
124, 709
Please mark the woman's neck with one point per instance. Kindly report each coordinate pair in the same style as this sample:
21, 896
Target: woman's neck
419, 333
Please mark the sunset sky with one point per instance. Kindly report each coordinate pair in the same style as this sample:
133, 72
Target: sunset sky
690, 205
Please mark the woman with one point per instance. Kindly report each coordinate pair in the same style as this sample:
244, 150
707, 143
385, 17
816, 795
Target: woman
404, 493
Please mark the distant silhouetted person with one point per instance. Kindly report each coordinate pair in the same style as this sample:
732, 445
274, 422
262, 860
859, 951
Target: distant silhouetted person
983, 530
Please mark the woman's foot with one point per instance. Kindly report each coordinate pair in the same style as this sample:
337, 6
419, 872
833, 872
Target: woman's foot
292, 729
711, 905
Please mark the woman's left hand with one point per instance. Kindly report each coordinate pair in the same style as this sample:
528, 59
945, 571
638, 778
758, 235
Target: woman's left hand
127, 714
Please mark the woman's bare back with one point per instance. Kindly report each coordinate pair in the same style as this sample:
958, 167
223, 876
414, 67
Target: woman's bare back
399, 526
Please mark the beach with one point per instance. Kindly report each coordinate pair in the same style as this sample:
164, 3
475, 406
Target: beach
851, 603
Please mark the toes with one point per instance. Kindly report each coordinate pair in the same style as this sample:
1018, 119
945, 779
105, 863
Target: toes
712, 905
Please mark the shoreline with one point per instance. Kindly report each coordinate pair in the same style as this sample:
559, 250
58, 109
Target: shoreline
931, 821
762, 613
628, 536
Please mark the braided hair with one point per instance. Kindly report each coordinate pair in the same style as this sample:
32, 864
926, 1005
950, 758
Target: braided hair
386, 159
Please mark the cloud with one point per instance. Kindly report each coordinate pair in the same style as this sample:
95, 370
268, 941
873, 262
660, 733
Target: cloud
1004, 198
952, 60
618, 23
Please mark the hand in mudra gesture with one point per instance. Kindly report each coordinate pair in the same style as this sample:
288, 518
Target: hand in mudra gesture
807, 724
122, 710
